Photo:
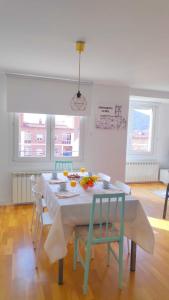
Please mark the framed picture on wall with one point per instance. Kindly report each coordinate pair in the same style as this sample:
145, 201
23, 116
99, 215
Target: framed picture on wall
110, 117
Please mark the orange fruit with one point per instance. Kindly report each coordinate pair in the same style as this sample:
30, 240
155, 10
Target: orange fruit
90, 183
73, 183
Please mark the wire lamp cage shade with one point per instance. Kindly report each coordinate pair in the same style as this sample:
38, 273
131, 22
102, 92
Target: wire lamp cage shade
78, 101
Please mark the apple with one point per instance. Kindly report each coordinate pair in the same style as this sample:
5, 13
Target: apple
85, 186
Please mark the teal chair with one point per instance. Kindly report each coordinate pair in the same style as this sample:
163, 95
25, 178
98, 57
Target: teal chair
106, 210
61, 165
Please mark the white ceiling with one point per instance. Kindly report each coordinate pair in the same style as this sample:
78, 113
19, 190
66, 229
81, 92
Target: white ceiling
127, 40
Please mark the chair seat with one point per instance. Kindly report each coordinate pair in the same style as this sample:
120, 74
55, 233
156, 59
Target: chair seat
82, 231
46, 219
123, 187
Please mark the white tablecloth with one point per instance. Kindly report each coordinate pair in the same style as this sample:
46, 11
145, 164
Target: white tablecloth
68, 212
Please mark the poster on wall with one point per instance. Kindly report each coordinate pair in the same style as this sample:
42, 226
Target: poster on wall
110, 117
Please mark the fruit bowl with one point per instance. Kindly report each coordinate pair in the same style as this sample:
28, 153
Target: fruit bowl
73, 176
87, 181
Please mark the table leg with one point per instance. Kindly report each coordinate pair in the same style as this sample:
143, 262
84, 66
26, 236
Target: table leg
133, 257
165, 208
60, 271
166, 202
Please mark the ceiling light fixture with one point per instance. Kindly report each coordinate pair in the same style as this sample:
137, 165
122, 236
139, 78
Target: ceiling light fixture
78, 101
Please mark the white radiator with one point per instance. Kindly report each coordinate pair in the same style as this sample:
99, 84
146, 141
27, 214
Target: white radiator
142, 171
21, 187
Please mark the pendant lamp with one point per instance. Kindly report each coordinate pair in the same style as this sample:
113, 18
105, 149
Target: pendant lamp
78, 101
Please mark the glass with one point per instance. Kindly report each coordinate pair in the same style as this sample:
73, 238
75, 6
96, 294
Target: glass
141, 129
63, 186
105, 185
65, 173
54, 175
74, 185
82, 170
32, 135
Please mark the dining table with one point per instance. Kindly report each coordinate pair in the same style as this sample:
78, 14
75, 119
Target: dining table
72, 207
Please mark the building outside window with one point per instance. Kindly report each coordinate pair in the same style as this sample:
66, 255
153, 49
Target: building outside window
64, 138
39, 152
26, 152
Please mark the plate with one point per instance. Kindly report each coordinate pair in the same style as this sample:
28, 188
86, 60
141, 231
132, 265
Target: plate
66, 194
56, 181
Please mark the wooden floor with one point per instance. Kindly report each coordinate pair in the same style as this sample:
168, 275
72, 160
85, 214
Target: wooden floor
20, 281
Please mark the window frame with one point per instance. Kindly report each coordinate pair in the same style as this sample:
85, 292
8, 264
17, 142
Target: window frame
50, 131
142, 105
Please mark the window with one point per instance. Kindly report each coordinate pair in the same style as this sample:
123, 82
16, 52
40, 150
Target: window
29, 126
64, 138
140, 131
39, 136
27, 137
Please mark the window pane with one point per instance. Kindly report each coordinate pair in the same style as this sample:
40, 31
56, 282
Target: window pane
67, 136
141, 129
32, 135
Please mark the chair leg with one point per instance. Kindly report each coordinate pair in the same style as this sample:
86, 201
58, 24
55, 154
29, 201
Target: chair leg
75, 253
33, 217
128, 246
108, 255
87, 266
92, 252
35, 232
120, 277
39, 244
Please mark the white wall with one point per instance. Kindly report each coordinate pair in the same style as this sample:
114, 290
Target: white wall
5, 186
104, 150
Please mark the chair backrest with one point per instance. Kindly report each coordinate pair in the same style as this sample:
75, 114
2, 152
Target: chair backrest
37, 196
33, 180
106, 211
123, 187
104, 177
61, 165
